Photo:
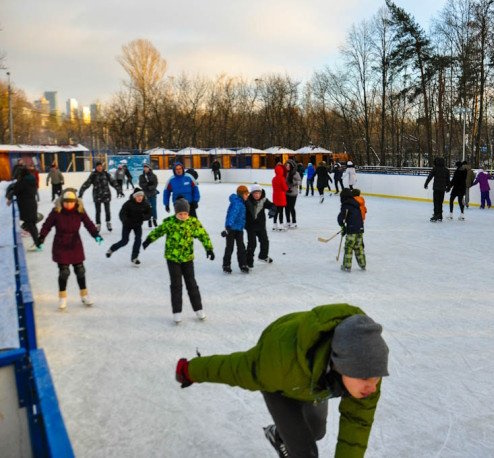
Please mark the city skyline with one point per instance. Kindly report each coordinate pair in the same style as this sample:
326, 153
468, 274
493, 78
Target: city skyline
72, 48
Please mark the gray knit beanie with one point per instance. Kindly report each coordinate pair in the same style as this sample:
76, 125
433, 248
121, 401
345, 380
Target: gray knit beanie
358, 349
181, 205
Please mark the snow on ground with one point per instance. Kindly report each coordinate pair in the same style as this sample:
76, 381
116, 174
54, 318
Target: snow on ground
428, 284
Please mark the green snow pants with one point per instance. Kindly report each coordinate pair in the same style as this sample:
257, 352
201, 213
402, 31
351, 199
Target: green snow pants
354, 243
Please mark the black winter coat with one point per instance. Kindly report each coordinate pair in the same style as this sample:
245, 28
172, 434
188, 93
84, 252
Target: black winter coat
101, 182
148, 182
323, 178
440, 174
351, 216
133, 214
255, 217
459, 181
25, 190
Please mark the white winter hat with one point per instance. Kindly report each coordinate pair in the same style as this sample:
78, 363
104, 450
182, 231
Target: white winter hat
255, 187
349, 163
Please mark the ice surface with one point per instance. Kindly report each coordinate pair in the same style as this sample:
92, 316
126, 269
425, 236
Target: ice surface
428, 284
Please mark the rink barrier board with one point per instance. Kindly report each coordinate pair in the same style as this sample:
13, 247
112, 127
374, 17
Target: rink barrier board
35, 388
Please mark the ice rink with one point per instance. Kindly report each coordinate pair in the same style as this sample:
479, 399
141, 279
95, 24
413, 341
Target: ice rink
429, 285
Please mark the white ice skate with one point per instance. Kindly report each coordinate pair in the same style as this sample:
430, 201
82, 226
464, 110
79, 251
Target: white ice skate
461, 217
293, 226
62, 303
86, 300
275, 226
321, 199
136, 262
177, 317
201, 315
450, 217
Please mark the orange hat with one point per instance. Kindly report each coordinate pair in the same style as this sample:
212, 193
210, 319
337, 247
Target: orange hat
242, 190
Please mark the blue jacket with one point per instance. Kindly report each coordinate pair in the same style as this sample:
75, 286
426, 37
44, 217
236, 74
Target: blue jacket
311, 171
351, 216
235, 215
181, 186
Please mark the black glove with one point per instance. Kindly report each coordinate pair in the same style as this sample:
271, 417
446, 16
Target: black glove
425, 186
80, 195
167, 208
194, 205
224, 233
343, 230
210, 255
272, 212
41, 240
146, 243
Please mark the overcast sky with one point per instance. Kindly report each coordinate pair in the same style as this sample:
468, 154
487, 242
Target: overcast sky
71, 47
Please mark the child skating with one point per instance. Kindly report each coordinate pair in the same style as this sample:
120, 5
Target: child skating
181, 230
66, 217
352, 225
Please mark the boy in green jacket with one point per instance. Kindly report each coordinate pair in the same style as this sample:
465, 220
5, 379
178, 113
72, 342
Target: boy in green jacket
180, 231
300, 361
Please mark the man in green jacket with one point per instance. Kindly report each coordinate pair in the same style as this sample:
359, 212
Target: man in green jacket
300, 361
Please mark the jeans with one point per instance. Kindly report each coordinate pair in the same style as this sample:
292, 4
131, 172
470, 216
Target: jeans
125, 239
98, 211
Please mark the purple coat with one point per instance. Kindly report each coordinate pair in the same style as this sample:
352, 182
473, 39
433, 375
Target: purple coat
67, 244
483, 180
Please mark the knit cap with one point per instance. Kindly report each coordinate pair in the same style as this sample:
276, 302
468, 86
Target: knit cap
138, 192
181, 205
358, 349
69, 195
255, 187
242, 190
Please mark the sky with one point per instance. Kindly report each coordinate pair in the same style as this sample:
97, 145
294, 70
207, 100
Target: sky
71, 47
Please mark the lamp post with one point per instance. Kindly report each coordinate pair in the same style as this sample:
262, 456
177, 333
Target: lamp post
463, 112
11, 119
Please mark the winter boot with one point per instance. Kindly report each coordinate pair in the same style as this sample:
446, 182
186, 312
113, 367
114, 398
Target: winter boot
244, 269
136, 262
109, 253
62, 300
85, 299
177, 317
267, 259
108, 226
201, 315
227, 269
275, 440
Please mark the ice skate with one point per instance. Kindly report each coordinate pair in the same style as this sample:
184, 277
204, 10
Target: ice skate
62, 303
227, 269
108, 253
275, 226
86, 300
275, 440
461, 217
267, 260
98, 227
244, 269
201, 315
450, 217
136, 262
346, 269
321, 199
177, 318
293, 226
108, 226
250, 264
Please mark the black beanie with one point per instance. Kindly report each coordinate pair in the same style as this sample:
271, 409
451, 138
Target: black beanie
358, 349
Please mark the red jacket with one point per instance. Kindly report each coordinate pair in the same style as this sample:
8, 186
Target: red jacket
67, 244
279, 186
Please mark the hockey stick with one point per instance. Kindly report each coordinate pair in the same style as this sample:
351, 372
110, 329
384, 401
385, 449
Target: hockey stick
323, 240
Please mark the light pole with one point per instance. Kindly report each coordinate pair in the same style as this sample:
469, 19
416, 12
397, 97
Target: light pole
463, 112
11, 119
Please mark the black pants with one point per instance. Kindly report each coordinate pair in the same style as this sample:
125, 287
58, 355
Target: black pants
56, 190
452, 198
310, 184
120, 188
125, 239
340, 182
299, 424
291, 216
31, 227
186, 270
129, 181
252, 236
217, 175
64, 272
231, 238
278, 215
98, 211
438, 197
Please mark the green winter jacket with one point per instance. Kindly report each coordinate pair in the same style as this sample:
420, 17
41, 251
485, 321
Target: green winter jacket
179, 246
291, 357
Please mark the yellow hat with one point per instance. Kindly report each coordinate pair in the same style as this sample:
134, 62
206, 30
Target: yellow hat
69, 196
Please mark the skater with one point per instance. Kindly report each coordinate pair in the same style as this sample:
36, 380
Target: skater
441, 182
101, 181
338, 176
132, 214
299, 362
181, 230
16, 171
361, 202
352, 225
181, 185
119, 178
66, 217
301, 171
352, 174
34, 172
215, 168
323, 179
458, 186
482, 179
148, 182
234, 230
128, 176
255, 224
293, 180
469, 181
311, 172
57, 181
24, 189
279, 196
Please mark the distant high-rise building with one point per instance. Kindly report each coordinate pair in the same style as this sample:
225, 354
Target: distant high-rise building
51, 96
71, 108
42, 105
86, 115
95, 109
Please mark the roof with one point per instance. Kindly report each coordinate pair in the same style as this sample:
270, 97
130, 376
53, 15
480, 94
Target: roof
250, 150
190, 151
160, 152
279, 150
312, 149
221, 151
42, 148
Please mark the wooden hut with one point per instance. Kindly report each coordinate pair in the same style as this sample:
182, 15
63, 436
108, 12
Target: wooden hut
226, 157
255, 158
277, 154
161, 158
